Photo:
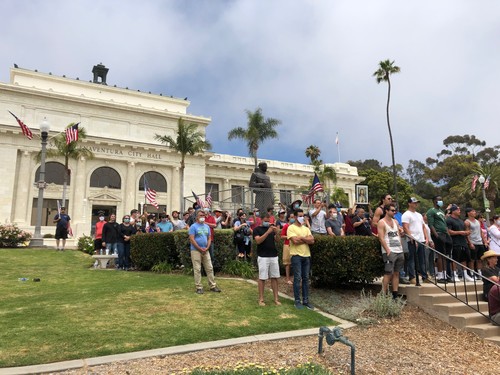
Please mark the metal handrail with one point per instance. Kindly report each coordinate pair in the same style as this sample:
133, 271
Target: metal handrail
453, 291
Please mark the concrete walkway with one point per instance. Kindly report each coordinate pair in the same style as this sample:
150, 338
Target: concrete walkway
181, 349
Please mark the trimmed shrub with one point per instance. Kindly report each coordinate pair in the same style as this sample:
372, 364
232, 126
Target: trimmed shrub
343, 260
86, 244
148, 249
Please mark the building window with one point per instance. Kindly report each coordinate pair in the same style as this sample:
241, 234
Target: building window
286, 197
54, 173
237, 192
105, 176
48, 212
213, 189
154, 181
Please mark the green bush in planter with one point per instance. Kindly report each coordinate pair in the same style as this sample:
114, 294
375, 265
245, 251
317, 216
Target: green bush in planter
148, 249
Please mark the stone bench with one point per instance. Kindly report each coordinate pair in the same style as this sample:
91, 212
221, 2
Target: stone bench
104, 259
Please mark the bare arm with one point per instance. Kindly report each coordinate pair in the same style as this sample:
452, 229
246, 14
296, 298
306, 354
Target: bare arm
381, 237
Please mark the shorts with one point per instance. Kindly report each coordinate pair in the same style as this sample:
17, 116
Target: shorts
477, 252
61, 233
395, 261
461, 254
268, 268
286, 255
443, 243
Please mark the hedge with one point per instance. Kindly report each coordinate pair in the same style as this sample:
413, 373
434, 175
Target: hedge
334, 260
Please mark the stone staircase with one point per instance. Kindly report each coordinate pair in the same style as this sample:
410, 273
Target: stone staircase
447, 308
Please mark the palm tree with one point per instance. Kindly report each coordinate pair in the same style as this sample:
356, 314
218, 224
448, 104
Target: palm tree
313, 152
189, 141
72, 151
386, 68
258, 130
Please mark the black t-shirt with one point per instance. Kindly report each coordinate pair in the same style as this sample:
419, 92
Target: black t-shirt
363, 229
457, 225
266, 249
487, 272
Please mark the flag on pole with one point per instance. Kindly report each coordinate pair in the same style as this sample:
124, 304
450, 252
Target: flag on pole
316, 185
72, 133
198, 200
150, 194
474, 182
307, 198
337, 138
209, 198
487, 183
26, 131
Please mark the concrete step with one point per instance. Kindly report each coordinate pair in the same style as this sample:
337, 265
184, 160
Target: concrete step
444, 297
484, 330
456, 308
493, 339
460, 321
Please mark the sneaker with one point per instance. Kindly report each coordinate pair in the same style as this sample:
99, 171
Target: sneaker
298, 305
478, 277
467, 277
308, 305
455, 279
442, 281
199, 291
427, 280
216, 290
413, 281
403, 280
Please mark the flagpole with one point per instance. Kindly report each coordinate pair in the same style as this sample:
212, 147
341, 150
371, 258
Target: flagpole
338, 145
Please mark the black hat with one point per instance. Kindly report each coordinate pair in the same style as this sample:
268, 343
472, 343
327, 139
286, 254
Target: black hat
454, 207
469, 209
413, 200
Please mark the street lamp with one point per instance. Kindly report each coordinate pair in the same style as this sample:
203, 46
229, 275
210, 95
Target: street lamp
41, 184
485, 201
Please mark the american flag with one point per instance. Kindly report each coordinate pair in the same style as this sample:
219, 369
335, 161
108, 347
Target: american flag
487, 183
209, 198
474, 182
150, 194
199, 201
26, 131
307, 199
72, 133
316, 185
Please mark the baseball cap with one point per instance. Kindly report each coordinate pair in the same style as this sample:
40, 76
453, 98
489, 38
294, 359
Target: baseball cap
454, 207
413, 200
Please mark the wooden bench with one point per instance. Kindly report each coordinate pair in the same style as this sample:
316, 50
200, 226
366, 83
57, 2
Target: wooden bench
104, 259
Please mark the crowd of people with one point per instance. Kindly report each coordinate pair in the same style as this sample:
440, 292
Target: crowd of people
407, 241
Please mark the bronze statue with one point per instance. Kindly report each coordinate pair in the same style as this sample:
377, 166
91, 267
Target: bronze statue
261, 184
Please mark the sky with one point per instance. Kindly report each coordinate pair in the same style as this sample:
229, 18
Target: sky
308, 63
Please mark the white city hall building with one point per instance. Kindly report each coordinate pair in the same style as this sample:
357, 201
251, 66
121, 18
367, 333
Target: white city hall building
120, 124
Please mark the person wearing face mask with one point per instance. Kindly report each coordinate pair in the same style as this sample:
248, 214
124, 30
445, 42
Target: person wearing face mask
98, 248
266, 236
286, 247
300, 238
199, 238
111, 235
436, 220
333, 224
126, 231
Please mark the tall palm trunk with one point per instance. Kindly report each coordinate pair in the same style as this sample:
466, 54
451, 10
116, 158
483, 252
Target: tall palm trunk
392, 143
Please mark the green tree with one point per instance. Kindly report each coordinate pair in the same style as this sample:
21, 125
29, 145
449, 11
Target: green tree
257, 131
339, 195
325, 172
58, 148
313, 153
379, 183
383, 73
188, 141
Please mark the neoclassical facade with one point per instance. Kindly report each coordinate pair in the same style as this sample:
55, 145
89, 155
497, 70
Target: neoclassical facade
120, 126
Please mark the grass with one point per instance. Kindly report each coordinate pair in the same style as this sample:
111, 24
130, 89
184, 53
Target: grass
78, 312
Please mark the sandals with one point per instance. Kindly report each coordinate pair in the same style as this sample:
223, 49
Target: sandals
262, 303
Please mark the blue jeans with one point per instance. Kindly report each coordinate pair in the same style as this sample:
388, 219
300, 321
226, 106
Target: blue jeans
416, 250
301, 267
123, 254
112, 247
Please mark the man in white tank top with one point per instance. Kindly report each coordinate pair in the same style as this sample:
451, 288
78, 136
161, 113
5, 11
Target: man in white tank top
392, 250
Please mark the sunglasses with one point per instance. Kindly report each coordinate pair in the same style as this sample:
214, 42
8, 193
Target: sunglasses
392, 210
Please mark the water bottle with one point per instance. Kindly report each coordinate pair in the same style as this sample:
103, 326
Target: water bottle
23, 279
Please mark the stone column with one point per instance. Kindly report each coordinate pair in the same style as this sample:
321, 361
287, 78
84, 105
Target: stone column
130, 188
22, 198
78, 190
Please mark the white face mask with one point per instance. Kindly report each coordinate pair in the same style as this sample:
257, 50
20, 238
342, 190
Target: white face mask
202, 219
300, 219
101, 218
498, 222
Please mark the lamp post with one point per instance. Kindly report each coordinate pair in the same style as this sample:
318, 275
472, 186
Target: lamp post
486, 203
41, 184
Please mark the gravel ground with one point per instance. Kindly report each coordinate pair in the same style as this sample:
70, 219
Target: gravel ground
414, 343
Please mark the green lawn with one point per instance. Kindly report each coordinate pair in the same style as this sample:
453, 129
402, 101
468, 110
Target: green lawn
78, 312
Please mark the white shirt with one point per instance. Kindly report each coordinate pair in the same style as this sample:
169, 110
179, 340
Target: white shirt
318, 221
415, 223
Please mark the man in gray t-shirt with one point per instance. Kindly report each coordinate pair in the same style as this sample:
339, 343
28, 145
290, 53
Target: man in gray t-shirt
318, 218
333, 224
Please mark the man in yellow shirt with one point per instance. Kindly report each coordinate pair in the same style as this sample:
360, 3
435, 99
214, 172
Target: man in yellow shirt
300, 238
